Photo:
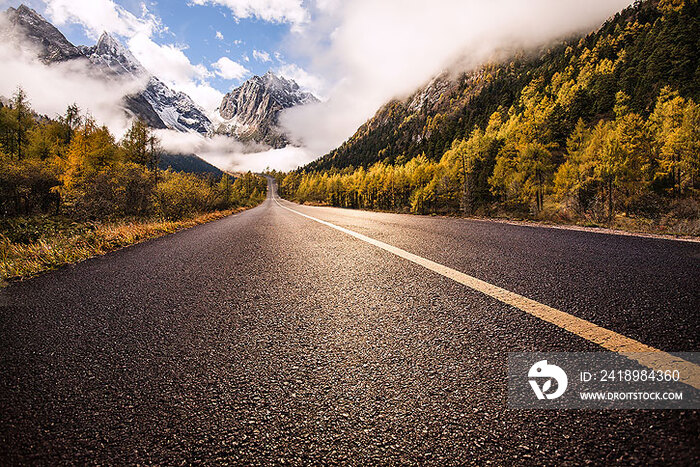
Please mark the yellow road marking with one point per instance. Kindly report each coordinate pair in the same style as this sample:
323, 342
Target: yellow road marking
648, 356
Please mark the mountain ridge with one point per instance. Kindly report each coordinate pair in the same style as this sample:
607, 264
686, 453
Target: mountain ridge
52, 44
176, 110
157, 104
251, 110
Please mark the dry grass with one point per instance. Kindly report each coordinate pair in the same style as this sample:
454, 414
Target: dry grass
19, 260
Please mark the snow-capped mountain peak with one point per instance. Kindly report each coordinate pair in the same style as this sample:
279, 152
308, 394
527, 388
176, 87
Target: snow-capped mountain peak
174, 110
251, 110
27, 25
157, 104
111, 54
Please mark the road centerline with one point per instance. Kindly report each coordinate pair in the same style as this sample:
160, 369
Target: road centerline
646, 355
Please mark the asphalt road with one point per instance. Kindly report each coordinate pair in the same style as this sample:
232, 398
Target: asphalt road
267, 337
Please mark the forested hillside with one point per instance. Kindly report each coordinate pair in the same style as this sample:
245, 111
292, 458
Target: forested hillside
588, 128
188, 163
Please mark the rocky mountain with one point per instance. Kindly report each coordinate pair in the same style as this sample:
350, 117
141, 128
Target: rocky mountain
51, 44
176, 109
251, 111
112, 57
157, 104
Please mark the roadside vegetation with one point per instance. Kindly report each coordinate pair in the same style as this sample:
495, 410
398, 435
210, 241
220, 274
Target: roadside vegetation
69, 190
604, 130
631, 172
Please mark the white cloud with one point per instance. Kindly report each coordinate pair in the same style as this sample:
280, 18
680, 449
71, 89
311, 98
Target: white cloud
261, 56
219, 35
227, 153
203, 94
168, 61
286, 159
328, 5
303, 78
276, 11
228, 69
97, 16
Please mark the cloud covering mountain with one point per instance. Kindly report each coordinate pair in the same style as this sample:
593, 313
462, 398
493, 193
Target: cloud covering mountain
376, 51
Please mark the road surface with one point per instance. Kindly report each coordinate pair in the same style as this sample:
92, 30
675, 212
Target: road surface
270, 337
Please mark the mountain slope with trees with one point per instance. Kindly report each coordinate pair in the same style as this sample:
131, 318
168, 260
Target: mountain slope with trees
587, 129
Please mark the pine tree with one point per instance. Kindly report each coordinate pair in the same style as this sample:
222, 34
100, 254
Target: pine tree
23, 120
